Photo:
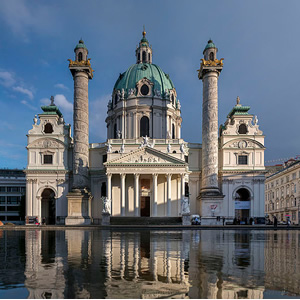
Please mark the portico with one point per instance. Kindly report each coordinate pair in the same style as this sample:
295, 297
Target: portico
146, 183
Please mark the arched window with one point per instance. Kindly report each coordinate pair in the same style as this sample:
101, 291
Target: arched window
144, 126
139, 57
173, 131
80, 56
144, 56
243, 129
173, 98
149, 57
115, 131
48, 128
211, 56
116, 98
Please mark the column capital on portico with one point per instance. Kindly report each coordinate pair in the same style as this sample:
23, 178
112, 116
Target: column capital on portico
108, 174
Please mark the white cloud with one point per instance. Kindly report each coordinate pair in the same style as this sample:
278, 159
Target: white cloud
23, 17
7, 78
28, 105
61, 86
23, 91
61, 102
98, 113
45, 101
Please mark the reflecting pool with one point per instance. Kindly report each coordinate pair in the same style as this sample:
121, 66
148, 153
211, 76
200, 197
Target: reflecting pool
149, 264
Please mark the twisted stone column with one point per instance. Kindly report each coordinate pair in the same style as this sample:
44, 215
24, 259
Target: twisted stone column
81, 131
210, 133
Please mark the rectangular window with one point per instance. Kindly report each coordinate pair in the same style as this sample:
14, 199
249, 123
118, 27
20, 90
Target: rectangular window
287, 178
294, 175
2, 199
12, 189
295, 189
2, 208
13, 199
13, 208
48, 159
243, 160
2, 189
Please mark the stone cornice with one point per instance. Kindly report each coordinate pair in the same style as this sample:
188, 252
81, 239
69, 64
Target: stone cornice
46, 171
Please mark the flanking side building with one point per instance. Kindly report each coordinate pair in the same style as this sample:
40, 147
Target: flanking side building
282, 193
145, 169
12, 188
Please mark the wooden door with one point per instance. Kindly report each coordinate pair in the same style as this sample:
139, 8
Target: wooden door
145, 206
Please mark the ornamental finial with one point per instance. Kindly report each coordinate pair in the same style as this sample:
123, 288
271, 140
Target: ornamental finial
144, 32
237, 100
52, 101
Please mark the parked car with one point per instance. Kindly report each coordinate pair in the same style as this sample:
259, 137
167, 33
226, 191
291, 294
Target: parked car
195, 220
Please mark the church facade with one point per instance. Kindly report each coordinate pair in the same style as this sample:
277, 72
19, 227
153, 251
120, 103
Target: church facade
145, 169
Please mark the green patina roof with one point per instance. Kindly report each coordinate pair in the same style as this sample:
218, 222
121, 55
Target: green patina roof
210, 44
80, 45
51, 110
136, 72
239, 110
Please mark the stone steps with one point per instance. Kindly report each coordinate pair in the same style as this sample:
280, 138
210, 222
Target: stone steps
145, 221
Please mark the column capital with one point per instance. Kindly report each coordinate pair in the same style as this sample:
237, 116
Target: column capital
108, 174
123, 175
154, 174
136, 175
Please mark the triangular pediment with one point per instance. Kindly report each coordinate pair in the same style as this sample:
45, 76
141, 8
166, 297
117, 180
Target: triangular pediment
146, 156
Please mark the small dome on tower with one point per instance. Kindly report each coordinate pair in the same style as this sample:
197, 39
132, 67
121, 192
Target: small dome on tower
80, 45
210, 44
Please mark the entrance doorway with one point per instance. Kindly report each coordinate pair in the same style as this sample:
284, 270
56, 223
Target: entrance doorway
242, 205
145, 206
48, 206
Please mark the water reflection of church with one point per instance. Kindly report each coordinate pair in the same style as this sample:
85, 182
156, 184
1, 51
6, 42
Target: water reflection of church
143, 264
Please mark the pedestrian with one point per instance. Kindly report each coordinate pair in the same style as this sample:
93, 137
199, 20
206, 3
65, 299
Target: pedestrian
223, 221
251, 221
234, 221
275, 221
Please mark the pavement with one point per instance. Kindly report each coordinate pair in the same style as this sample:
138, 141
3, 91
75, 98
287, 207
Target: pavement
149, 227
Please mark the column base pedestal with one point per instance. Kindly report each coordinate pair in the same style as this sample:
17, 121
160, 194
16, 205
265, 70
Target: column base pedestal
79, 203
186, 219
211, 206
105, 219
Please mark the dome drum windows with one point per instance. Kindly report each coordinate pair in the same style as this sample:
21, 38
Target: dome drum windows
144, 127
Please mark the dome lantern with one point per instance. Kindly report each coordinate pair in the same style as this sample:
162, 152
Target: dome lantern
143, 52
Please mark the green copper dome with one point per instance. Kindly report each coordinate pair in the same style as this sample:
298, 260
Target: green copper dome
210, 44
80, 45
128, 80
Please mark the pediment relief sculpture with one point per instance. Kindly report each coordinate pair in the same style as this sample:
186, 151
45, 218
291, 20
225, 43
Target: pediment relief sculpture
46, 144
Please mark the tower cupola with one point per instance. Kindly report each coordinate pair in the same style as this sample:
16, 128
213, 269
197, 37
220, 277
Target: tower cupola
143, 52
81, 51
210, 51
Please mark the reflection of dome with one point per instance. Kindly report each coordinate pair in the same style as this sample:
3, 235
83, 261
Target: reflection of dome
161, 81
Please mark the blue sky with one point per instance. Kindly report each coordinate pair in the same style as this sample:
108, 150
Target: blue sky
259, 41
